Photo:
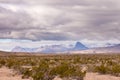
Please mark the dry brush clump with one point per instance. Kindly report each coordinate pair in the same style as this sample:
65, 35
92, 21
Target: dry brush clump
109, 66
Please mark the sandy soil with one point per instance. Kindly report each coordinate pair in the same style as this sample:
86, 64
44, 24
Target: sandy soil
8, 74
97, 76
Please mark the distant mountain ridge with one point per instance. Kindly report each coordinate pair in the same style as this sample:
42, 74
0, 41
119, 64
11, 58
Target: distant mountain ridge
108, 49
51, 48
78, 48
20, 49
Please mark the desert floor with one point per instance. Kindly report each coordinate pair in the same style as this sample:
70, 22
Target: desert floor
8, 74
97, 76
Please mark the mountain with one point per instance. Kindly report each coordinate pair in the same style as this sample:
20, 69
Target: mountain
20, 49
51, 48
43, 49
79, 46
109, 49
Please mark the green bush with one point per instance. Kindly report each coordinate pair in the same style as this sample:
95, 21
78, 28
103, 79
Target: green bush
115, 70
67, 71
102, 69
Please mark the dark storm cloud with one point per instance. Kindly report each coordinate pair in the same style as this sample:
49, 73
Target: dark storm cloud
60, 19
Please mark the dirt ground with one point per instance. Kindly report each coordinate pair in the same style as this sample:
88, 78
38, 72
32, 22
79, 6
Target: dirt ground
97, 76
8, 74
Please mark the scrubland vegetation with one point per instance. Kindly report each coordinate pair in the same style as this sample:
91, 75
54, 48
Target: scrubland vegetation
67, 67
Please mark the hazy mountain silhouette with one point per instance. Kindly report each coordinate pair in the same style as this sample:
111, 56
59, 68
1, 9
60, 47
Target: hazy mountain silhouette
79, 46
108, 49
51, 48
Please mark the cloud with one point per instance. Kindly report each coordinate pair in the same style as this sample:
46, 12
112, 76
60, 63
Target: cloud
60, 20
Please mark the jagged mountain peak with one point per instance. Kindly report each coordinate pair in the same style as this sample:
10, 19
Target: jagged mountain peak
79, 46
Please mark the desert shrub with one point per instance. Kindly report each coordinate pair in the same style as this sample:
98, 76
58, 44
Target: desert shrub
115, 70
38, 76
0, 65
41, 72
2, 62
77, 60
66, 71
60, 70
102, 69
10, 64
25, 72
110, 63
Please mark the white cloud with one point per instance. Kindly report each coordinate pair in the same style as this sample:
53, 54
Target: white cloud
60, 20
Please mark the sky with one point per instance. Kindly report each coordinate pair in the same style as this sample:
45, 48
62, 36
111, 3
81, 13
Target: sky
34, 22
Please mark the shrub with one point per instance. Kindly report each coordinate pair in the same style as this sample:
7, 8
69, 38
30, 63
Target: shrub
115, 70
67, 71
102, 69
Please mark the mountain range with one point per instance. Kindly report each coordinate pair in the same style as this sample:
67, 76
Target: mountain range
51, 48
78, 48
108, 49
